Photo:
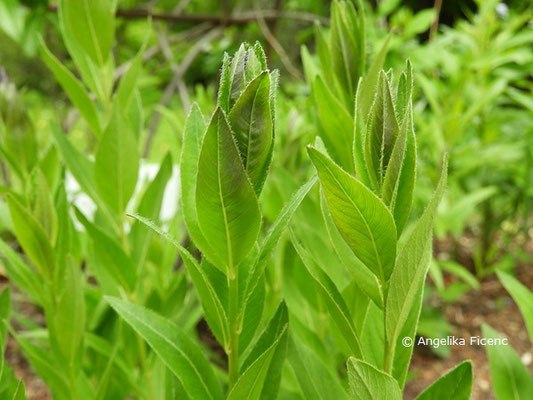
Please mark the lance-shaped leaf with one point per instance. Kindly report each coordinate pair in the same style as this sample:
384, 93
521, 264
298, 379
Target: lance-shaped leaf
404, 92
270, 335
382, 130
251, 382
116, 164
73, 88
93, 25
274, 233
110, 254
252, 123
32, 237
522, 296
455, 385
226, 204
347, 45
362, 219
174, 347
369, 383
150, 207
336, 122
399, 182
192, 144
315, 379
510, 377
340, 314
411, 266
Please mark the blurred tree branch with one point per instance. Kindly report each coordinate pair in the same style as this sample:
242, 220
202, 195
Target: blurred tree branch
237, 19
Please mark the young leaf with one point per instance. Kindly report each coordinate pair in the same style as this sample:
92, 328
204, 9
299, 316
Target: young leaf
314, 378
411, 266
180, 354
336, 122
454, 385
363, 277
73, 88
251, 121
116, 164
192, 144
93, 26
369, 383
510, 378
226, 204
215, 313
32, 237
334, 301
110, 254
150, 207
273, 331
249, 386
362, 219
382, 128
522, 296
274, 233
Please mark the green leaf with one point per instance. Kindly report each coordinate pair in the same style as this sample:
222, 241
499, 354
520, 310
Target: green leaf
43, 205
522, 296
128, 83
510, 378
347, 45
336, 122
192, 144
369, 82
93, 25
332, 298
116, 164
363, 277
73, 88
174, 347
226, 205
249, 386
274, 233
110, 254
411, 267
42, 363
382, 130
150, 207
316, 381
369, 383
252, 123
77, 163
21, 274
270, 335
362, 219
32, 237
69, 313
454, 385
215, 313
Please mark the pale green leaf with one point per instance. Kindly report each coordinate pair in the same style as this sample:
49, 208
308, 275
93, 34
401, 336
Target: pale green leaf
454, 385
226, 204
362, 219
369, 383
174, 347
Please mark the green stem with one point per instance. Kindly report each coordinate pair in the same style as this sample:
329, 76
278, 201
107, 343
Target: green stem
233, 350
389, 357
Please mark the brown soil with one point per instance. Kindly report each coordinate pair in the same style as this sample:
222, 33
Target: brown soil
492, 305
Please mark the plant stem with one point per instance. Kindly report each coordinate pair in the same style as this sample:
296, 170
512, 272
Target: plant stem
389, 358
233, 350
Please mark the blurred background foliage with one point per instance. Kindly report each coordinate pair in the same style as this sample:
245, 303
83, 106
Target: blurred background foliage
472, 63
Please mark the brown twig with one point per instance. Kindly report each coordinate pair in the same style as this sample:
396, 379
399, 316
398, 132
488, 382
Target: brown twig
277, 47
435, 25
237, 19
